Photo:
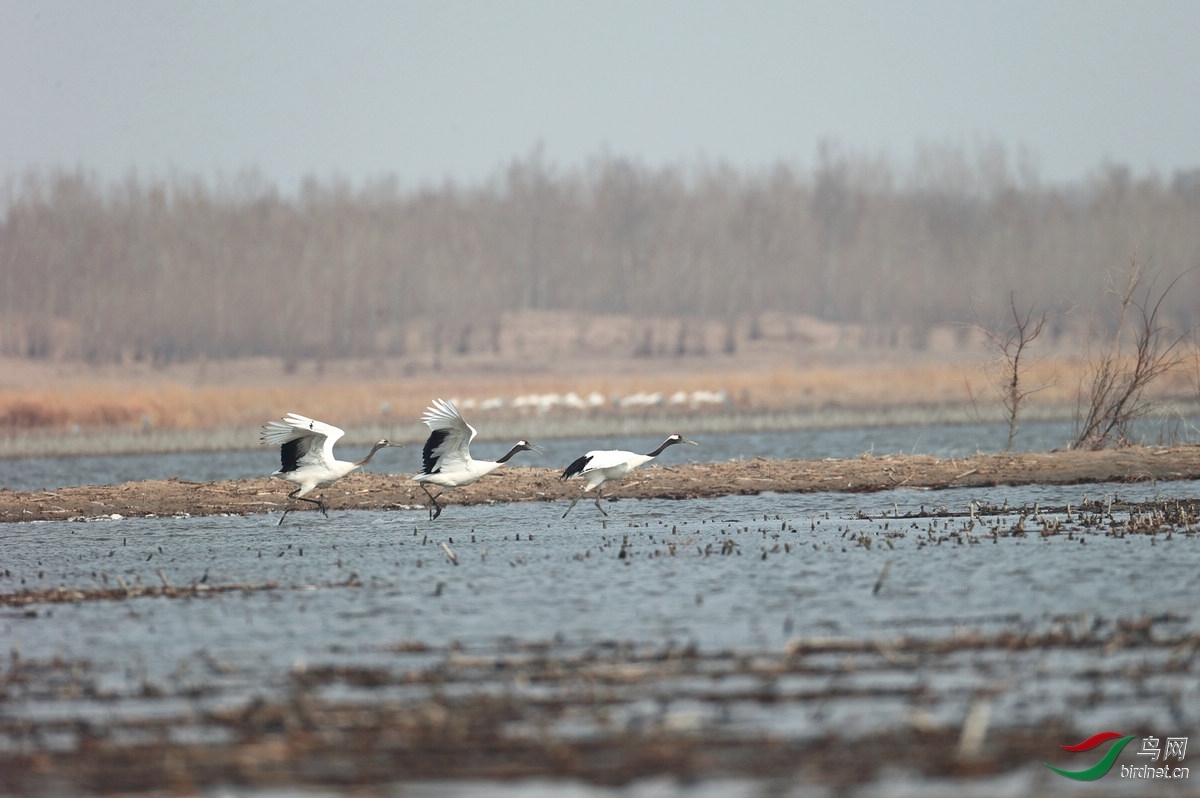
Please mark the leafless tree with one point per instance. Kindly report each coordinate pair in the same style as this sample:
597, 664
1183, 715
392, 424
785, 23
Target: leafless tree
1011, 344
169, 269
1115, 395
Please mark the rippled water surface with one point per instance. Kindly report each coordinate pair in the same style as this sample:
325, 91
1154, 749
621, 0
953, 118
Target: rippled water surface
744, 576
792, 567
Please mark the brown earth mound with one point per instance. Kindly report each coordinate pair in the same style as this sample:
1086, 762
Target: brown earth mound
382, 492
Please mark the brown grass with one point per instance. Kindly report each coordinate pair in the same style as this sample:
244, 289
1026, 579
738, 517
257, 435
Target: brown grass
763, 376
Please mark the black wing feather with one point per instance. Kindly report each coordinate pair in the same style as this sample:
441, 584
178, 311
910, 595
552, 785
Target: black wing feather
576, 467
428, 458
291, 452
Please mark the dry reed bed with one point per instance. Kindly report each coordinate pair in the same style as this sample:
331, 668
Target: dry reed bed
354, 400
213, 396
65, 409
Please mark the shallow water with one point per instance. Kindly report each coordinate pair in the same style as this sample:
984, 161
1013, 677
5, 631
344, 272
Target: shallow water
947, 440
734, 578
795, 568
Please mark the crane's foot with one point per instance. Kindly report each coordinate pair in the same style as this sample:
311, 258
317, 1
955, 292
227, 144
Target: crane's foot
320, 505
435, 509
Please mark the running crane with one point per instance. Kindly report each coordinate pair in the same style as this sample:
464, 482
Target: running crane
306, 452
446, 458
603, 466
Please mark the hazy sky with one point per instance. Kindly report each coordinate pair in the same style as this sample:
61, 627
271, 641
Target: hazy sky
434, 90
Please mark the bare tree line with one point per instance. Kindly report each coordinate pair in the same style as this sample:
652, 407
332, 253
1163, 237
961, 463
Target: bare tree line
175, 269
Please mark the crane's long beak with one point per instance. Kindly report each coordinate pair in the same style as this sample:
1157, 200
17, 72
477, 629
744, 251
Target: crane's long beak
536, 448
693, 443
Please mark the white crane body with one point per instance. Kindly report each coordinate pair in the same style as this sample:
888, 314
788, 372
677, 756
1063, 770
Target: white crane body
606, 465
446, 459
306, 455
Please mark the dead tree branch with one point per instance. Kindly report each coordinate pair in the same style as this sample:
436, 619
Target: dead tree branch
1011, 345
1116, 394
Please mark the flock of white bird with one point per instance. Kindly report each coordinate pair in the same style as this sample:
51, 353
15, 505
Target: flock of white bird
307, 461
545, 402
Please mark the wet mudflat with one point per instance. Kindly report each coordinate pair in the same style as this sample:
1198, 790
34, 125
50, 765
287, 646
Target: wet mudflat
760, 644
377, 491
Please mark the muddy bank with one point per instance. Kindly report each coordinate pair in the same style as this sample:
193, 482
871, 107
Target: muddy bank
390, 492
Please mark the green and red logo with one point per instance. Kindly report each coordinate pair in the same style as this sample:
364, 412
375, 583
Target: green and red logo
1104, 765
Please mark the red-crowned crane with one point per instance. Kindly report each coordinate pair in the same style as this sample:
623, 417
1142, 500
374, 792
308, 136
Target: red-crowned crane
604, 466
446, 458
306, 452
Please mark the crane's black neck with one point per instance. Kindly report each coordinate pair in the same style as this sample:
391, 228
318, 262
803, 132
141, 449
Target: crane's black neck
511, 452
661, 449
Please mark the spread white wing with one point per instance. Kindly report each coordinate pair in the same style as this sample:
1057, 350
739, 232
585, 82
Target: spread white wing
313, 440
448, 446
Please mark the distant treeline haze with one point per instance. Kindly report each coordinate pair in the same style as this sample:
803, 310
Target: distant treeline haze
177, 269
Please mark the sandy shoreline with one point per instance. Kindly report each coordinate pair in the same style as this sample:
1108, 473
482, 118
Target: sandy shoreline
366, 491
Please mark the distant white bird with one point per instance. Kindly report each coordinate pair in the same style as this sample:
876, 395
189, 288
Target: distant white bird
604, 466
306, 452
446, 458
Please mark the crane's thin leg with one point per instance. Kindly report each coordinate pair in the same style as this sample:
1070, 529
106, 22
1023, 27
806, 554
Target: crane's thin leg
598, 507
293, 495
572, 507
436, 510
